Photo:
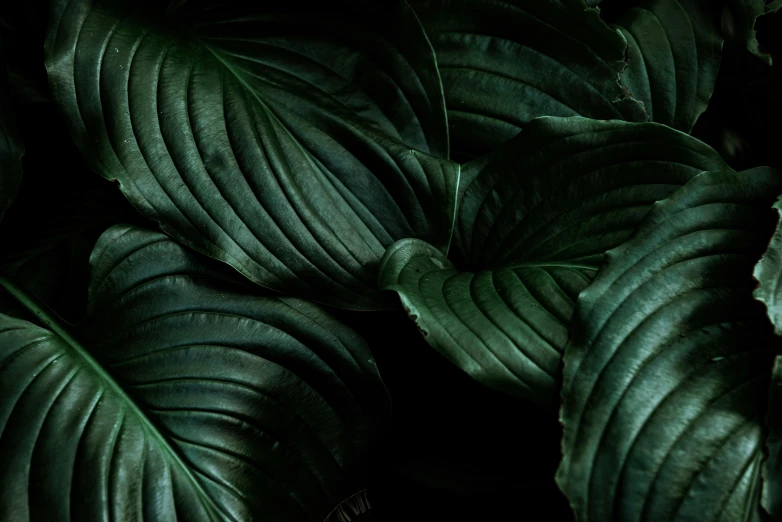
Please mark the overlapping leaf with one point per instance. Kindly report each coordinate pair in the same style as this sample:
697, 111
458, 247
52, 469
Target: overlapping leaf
674, 49
185, 398
295, 144
667, 371
534, 224
768, 273
504, 63
772, 466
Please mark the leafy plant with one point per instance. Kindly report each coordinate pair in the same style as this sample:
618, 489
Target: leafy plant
216, 215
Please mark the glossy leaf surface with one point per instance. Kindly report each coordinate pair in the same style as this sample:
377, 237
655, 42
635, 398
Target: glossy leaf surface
534, 224
674, 49
667, 372
504, 63
294, 144
185, 397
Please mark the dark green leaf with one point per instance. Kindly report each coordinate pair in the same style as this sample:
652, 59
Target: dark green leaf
768, 273
673, 57
294, 144
738, 24
772, 467
184, 398
504, 63
534, 225
667, 371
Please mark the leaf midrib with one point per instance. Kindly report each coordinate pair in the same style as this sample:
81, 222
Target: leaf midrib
53, 324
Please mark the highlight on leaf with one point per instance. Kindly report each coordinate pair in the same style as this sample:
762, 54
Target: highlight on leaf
667, 371
182, 395
533, 226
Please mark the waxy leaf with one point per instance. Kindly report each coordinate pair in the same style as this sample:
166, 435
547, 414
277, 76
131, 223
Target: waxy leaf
182, 396
504, 63
294, 144
772, 467
673, 57
667, 371
534, 224
768, 273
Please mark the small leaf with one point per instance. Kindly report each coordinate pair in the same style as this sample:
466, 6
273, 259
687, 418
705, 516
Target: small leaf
667, 370
293, 144
507, 62
534, 224
184, 398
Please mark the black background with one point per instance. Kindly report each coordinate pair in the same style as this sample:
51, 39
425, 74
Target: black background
456, 450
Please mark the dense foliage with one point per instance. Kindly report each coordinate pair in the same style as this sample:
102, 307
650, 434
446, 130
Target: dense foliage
401, 260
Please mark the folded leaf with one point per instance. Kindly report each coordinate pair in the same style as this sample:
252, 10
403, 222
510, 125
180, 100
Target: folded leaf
534, 224
293, 144
184, 398
768, 273
674, 49
506, 62
739, 23
666, 374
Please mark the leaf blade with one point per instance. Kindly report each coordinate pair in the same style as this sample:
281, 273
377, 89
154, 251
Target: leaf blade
239, 405
668, 362
272, 153
535, 222
674, 56
505, 63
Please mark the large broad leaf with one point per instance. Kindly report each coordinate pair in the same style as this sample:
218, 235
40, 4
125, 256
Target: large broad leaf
292, 143
673, 57
772, 468
667, 371
738, 24
506, 62
11, 148
768, 273
182, 396
534, 224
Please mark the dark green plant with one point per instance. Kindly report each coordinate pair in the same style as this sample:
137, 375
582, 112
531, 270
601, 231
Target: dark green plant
553, 191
